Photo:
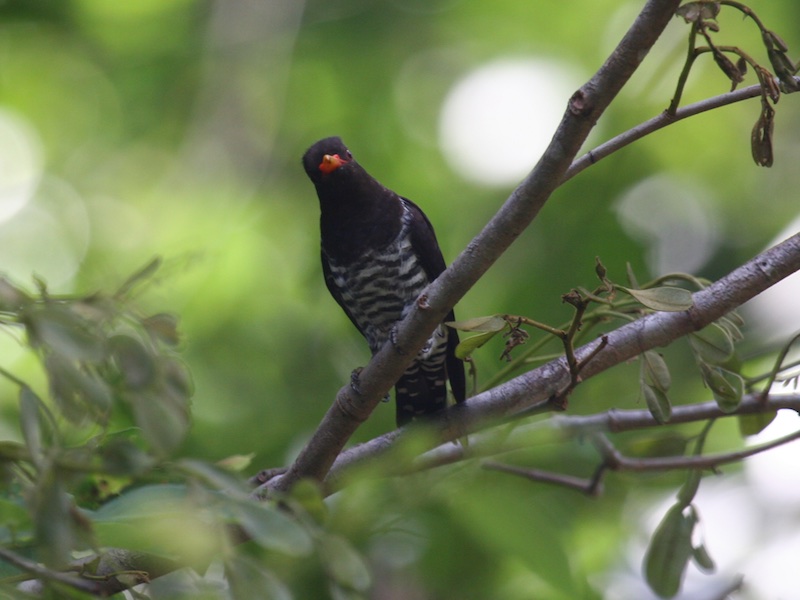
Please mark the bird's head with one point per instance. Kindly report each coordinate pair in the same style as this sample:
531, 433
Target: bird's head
325, 157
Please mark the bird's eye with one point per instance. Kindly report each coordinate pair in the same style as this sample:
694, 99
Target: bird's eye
349, 154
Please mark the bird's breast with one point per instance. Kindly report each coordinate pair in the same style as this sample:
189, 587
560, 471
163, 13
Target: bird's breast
379, 287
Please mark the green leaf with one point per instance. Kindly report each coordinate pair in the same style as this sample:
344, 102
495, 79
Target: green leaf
655, 371
250, 579
689, 489
271, 528
31, 411
669, 551
65, 332
159, 519
214, 475
727, 387
78, 393
135, 362
657, 403
712, 344
703, 559
122, 457
467, 346
163, 420
665, 298
755, 423
163, 326
11, 297
146, 272
493, 323
343, 564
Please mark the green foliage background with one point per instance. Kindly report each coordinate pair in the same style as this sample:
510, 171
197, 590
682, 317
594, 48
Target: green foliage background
176, 128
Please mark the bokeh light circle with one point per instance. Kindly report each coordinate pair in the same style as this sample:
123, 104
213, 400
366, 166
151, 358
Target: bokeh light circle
20, 163
496, 122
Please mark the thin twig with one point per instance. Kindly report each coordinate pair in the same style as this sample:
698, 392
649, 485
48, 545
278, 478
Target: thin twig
43, 573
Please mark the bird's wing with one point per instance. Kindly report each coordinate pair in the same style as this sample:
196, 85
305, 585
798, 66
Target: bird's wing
423, 240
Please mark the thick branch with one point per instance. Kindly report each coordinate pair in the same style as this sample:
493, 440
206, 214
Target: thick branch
584, 109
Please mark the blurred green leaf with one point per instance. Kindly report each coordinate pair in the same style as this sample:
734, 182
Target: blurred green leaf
163, 419
250, 579
158, 519
665, 298
135, 362
78, 393
270, 527
163, 326
31, 411
342, 563
669, 551
65, 332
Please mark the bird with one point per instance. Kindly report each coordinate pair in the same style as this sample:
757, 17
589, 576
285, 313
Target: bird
379, 252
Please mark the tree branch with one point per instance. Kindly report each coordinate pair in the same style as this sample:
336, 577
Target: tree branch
659, 122
375, 380
533, 390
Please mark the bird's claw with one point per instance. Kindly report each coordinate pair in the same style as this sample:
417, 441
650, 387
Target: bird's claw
354, 383
393, 339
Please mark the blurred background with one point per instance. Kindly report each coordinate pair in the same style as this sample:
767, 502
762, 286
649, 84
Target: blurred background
176, 127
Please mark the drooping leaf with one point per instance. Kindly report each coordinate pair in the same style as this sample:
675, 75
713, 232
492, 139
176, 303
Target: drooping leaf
657, 403
669, 551
689, 489
703, 559
712, 344
665, 298
727, 387
755, 423
655, 371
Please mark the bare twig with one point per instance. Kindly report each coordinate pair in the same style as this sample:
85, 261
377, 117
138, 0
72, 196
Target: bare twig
42, 573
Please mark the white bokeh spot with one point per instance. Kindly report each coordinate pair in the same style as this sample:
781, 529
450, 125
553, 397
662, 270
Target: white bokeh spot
496, 122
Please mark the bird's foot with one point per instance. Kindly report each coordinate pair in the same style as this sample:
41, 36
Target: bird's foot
354, 382
356, 387
393, 339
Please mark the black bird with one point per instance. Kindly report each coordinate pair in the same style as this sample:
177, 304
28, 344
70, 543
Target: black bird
379, 252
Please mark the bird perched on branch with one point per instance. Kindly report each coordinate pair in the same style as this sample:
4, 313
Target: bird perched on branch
379, 252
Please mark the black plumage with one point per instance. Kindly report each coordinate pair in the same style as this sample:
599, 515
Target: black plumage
379, 252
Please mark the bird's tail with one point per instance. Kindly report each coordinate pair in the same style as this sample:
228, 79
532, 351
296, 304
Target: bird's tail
421, 391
